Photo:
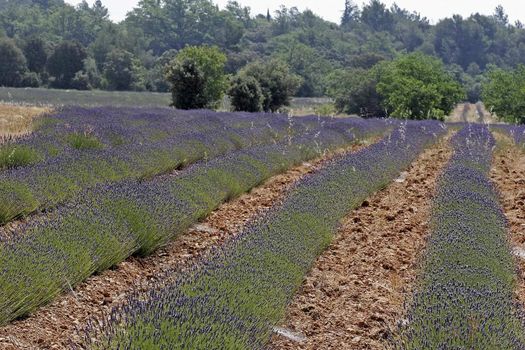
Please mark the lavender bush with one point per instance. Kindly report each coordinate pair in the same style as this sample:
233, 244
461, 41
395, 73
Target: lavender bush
80, 148
109, 222
464, 299
233, 299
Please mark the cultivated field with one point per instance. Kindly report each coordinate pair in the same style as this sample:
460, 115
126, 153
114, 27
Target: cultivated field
153, 228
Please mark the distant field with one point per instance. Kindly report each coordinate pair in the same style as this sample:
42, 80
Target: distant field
51, 97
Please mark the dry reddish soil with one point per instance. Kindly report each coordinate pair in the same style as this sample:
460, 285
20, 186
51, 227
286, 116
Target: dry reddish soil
56, 326
356, 290
508, 172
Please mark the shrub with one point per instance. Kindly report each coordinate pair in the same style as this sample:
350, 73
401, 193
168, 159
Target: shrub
197, 77
13, 156
246, 94
277, 82
84, 141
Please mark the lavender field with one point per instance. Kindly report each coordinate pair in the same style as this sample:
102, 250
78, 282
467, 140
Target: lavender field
94, 191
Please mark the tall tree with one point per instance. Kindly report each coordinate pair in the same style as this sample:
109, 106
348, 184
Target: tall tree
501, 16
36, 54
377, 16
12, 63
417, 86
350, 14
67, 59
119, 70
197, 77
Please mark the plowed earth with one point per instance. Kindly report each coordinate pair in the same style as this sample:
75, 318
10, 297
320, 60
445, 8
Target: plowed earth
355, 293
508, 172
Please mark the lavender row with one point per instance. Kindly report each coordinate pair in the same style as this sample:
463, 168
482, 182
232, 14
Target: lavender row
233, 298
108, 223
464, 298
187, 138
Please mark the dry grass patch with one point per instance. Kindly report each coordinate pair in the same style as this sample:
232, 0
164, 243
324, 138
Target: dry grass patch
16, 121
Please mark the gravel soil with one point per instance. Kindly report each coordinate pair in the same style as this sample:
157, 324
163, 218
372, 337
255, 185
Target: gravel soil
355, 293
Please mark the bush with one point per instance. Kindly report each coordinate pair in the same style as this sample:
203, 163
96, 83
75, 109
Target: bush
13, 63
80, 81
15, 156
417, 86
327, 109
246, 94
504, 93
197, 77
278, 83
355, 92
31, 80
82, 141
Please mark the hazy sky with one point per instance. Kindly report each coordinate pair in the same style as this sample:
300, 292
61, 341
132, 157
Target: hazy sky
332, 9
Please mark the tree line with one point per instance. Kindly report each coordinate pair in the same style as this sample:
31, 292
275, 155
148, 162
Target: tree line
52, 44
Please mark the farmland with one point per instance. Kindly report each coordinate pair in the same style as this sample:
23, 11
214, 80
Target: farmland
149, 227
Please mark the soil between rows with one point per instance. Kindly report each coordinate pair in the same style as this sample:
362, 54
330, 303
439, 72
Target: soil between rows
57, 325
508, 173
355, 293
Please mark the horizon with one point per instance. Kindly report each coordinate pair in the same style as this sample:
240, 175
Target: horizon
433, 11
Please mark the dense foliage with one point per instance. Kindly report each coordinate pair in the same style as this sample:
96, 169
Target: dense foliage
416, 86
310, 46
273, 79
246, 94
197, 77
504, 93
13, 64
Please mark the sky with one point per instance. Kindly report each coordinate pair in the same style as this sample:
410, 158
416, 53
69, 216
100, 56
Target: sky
332, 9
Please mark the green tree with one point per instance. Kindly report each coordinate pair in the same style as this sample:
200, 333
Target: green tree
246, 94
67, 59
120, 69
13, 64
36, 54
277, 82
417, 86
350, 14
504, 93
355, 92
377, 16
197, 77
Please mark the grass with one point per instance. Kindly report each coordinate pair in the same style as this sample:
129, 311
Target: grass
17, 121
51, 97
12, 156
83, 141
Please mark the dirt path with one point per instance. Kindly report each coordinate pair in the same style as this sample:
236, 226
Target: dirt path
471, 113
356, 290
508, 172
55, 326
